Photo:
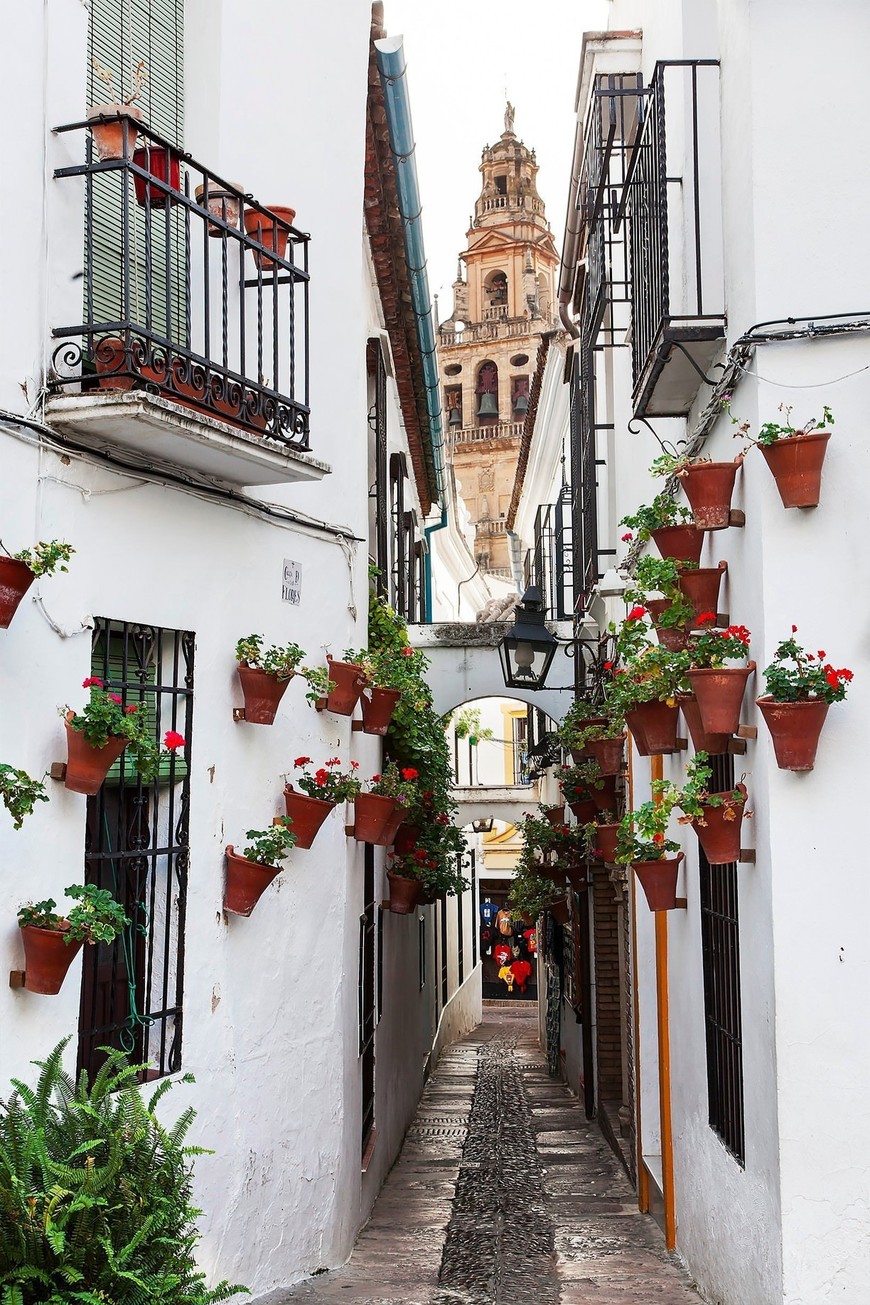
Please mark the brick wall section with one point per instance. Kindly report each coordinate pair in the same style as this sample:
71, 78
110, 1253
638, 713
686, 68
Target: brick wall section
614, 1052
629, 1110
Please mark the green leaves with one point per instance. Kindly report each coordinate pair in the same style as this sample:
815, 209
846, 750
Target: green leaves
46, 557
20, 793
270, 846
663, 511
282, 662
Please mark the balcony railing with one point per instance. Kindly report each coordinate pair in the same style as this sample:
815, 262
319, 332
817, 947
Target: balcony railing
203, 305
550, 564
497, 431
494, 526
504, 328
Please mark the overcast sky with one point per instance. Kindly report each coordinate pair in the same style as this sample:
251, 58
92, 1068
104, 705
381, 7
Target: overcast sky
463, 56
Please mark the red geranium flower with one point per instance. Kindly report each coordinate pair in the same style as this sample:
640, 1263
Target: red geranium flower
130, 708
608, 666
407, 652
636, 613
376, 779
822, 654
321, 776
172, 739
833, 679
334, 761
794, 629
410, 773
354, 765
706, 617
302, 761
92, 683
658, 838
626, 537
116, 697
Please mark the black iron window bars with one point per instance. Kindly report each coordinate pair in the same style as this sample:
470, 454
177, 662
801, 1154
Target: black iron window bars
191, 290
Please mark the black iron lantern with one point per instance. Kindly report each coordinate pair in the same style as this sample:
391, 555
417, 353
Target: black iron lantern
483, 825
528, 649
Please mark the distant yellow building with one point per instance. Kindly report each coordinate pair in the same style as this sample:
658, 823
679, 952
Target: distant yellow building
487, 347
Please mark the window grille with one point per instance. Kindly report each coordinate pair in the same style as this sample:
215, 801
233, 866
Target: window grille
472, 875
720, 947
421, 949
378, 426
460, 926
136, 845
445, 990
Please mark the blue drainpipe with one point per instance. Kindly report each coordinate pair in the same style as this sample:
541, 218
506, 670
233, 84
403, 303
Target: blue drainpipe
390, 55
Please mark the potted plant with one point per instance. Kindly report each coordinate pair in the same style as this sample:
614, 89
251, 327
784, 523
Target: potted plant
19, 793
708, 485
643, 843
348, 679
800, 686
701, 589
467, 725
702, 740
404, 876
586, 790
644, 692
249, 875
264, 676
224, 203
606, 836
98, 735
717, 818
113, 125
670, 526
719, 688
19, 570
580, 716
319, 685
672, 612
51, 941
388, 677
794, 455
321, 791
379, 812
271, 227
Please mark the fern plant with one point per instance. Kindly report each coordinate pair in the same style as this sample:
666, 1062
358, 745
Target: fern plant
95, 1194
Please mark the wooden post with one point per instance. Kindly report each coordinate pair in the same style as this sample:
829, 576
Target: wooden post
664, 1038
642, 1176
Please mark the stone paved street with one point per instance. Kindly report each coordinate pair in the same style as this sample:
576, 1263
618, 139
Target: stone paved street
504, 1194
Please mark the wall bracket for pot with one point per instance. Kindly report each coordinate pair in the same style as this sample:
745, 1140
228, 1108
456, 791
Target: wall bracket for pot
348, 830
736, 747
737, 517
239, 713
681, 904
57, 770
357, 726
747, 732
320, 704
747, 855
682, 745
16, 978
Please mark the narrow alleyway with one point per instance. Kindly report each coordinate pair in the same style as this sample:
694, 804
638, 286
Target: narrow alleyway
504, 1194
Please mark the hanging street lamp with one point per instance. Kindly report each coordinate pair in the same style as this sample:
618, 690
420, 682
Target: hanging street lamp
527, 650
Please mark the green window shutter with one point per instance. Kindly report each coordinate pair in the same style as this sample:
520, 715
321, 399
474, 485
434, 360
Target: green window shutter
121, 33
172, 768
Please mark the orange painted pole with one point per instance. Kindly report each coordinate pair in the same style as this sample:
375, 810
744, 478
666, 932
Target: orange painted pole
664, 1037
642, 1175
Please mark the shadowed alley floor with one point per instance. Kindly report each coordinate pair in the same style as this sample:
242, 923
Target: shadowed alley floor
504, 1194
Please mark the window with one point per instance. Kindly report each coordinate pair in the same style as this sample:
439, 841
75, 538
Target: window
378, 426
136, 845
720, 947
520, 741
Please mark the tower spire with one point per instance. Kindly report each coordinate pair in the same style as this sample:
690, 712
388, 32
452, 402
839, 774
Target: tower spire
509, 115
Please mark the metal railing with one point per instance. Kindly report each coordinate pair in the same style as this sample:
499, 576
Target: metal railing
207, 306
550, 563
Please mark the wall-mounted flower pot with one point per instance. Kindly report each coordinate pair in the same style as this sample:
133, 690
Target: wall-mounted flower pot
349, 683
261, 227
47, 958
719, 836
406, 839
262, 692
796, 464
15, 580
110, 362
307, 814
555, 815
576, 876
393, 825
560, 910
108, 136
163, 164
584, 811
373, 818
658, 879
683, 543
404, 893
87, 766
608, 754
246, 882
221, 203
795, 728
720, 696
605, 796
709, 487
654, 727
674, 638
701, 588
702, 740
606, 839
377, 709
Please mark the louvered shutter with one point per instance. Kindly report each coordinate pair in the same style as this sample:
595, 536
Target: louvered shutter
121, 33
172, 767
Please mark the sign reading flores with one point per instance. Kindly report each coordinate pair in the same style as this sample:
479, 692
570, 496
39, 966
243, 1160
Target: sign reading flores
291, 582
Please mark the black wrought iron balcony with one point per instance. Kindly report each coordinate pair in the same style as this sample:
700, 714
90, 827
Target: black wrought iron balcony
673, 196
193, 293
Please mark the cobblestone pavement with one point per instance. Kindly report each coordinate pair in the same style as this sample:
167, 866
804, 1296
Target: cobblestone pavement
504, 1194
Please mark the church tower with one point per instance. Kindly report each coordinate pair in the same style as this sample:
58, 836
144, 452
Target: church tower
486, 348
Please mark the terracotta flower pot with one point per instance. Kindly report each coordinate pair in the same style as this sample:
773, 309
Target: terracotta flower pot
720, 696
261, 227
221, 204
701, 588
559, 910
605, 797
404, 893
406, 839
46, 958
709, 486
674, 638
658, 879
576, 876
377, 709
719, 836
349, 683
246, 882
654, 727
307, 814
796, 463
87, 766
683, 543
555, 815
394, 824
165, 165
714, 744
15, 580
262, 693
111, 365
372, 818
584, 811
606, 840
109, 135
795, 728
608, 754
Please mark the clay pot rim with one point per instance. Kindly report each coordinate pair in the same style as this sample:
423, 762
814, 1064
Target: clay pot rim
111, 111
259, 670
221, 192
718, 670
703, 465
663, 860
231, 851
767, 700
290, 791
59, 929
265, 220
800, 437
16, 563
